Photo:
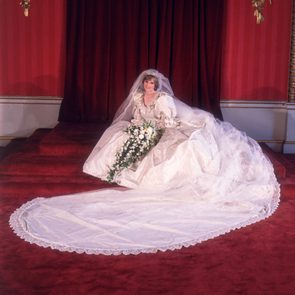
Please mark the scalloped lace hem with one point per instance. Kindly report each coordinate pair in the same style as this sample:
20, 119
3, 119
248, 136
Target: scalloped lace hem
20, 231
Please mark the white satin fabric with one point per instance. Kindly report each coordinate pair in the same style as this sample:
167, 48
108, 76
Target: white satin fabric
203, 179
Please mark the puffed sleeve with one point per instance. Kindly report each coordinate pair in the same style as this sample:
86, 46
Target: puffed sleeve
137, 117
166, 111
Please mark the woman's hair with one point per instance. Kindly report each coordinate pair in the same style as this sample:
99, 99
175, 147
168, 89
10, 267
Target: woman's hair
151, 77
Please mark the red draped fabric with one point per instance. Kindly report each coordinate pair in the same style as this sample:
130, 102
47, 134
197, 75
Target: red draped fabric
109, 42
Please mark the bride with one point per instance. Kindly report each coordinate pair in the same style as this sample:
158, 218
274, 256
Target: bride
188, 177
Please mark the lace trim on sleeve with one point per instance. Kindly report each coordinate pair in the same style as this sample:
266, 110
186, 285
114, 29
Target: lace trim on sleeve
167, 111
137, 117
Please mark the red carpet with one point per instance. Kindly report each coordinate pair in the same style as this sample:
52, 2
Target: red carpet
258, 259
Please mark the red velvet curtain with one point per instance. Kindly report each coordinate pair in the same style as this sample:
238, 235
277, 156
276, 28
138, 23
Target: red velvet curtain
109, 42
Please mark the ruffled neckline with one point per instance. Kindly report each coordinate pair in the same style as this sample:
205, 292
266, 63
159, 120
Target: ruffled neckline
152, 105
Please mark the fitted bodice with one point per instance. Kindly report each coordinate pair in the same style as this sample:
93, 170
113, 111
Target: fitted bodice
162, 111
148, 111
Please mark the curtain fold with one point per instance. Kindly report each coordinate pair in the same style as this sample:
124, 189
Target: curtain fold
109, 42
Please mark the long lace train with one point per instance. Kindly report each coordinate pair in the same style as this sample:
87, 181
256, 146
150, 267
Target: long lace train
133, 221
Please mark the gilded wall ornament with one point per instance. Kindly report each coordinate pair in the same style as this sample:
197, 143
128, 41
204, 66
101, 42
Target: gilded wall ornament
258, 10
25, 4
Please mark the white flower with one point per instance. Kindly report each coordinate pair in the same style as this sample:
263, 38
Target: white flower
150, 131
141, 139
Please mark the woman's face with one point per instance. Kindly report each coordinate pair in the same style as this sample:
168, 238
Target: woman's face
149, 85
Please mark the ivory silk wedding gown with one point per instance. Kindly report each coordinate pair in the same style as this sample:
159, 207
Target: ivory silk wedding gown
204, 178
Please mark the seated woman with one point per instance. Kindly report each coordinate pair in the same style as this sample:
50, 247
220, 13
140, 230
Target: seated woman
190, 178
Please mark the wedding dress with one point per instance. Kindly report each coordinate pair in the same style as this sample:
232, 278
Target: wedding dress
204, 178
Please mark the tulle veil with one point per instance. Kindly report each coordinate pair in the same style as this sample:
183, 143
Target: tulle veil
114, 221
185, 113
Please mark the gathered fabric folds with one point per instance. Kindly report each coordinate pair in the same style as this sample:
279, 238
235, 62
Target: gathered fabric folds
203, 179
215, 186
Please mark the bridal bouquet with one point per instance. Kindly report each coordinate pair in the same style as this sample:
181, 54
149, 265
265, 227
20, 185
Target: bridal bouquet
141, 139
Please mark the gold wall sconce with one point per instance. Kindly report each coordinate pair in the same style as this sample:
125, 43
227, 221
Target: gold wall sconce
258, 10
25, 4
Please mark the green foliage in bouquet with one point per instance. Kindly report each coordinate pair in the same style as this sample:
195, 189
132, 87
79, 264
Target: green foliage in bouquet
140, 141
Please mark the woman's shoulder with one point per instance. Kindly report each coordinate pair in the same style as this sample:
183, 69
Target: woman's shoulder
138, 98
162, 93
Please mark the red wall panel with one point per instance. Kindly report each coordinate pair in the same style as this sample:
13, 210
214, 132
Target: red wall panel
32, 48
254, 65
256, 57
